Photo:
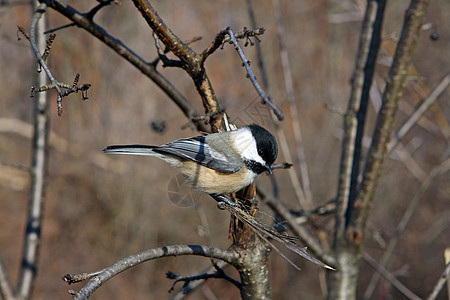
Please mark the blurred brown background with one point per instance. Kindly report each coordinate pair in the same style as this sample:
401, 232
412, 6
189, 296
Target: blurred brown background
102, 208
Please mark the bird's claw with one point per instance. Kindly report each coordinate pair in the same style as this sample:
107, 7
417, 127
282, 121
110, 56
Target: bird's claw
222, 201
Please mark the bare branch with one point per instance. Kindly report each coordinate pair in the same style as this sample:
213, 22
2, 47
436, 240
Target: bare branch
219, 273
414, 17
246, 63
40, 10
74, 88
189, 287
223, 37
102, 276
162, 55
356, 112
32, 236
102, 3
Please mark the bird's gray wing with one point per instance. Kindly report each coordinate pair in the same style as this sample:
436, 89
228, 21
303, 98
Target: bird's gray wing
196, 149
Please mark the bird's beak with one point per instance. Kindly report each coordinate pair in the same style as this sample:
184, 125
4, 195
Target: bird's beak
269, 169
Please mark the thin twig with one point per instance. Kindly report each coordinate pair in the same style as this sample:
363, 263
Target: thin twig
420, 109
102, 3
223, 37
440, 283
218, 274
259, 55
389, 277
40, 10
166, 50
162, 55
60, 28
189, 287
246, 63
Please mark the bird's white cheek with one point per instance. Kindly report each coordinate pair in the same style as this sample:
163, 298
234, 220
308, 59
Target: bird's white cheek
245, 145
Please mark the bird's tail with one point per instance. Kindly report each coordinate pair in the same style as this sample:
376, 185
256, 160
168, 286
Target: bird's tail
130, 149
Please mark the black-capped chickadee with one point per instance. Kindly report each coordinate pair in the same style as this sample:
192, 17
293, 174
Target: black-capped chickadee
219, 163
224, 163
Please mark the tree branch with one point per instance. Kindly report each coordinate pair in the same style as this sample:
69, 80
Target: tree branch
190, 286
356, 111
414, 18
246, 63
32, 237
104, 275
218, 274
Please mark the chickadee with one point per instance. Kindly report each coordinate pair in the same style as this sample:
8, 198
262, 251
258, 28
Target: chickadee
224, 163
219, 163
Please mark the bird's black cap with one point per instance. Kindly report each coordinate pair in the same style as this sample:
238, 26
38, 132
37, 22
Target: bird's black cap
266, 143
